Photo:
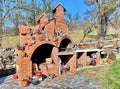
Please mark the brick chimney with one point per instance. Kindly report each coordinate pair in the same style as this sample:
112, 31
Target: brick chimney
58, 11
58, 14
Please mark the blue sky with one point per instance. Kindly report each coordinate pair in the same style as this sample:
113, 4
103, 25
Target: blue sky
73, 6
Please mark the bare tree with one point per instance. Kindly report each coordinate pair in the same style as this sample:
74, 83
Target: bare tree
34, 8
101, 11
5, 7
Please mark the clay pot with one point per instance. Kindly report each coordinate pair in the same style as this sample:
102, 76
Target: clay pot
15, 76
24, 83
38, 74
49, 60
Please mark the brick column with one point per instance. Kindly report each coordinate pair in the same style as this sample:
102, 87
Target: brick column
98, 57
55, 55
25, 68
72, 63
55, 59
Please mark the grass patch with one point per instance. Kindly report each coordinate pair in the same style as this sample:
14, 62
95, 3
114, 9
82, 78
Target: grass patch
107, 75
9, 41
95, 73
113, 76
77, 36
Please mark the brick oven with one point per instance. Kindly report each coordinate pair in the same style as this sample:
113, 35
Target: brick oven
49, 39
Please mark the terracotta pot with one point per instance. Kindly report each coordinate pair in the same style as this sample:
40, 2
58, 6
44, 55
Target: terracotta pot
15, 76
49, 60
38, 74
24, 83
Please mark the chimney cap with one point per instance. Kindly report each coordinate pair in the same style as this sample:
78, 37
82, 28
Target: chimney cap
59, 4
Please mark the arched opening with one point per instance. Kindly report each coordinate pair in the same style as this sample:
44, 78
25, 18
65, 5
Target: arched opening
65, 45
41, 53
66, 53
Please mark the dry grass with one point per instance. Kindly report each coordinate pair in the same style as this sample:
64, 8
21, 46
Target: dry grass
77, 35
96, 74
9, 41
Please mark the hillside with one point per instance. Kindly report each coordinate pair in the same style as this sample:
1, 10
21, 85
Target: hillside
12, 41
9, 41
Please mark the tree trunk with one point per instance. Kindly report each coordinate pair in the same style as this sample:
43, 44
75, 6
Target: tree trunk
103, 27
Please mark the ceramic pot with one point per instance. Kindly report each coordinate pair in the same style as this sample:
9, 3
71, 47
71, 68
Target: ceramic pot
24, 83
38, 74
15, 76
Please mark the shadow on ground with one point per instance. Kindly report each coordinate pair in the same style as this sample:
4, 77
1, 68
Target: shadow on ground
4, 73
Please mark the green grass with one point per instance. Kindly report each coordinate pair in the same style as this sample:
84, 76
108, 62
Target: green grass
77, 36
107, 75
9, 41
112, 76
95, 73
